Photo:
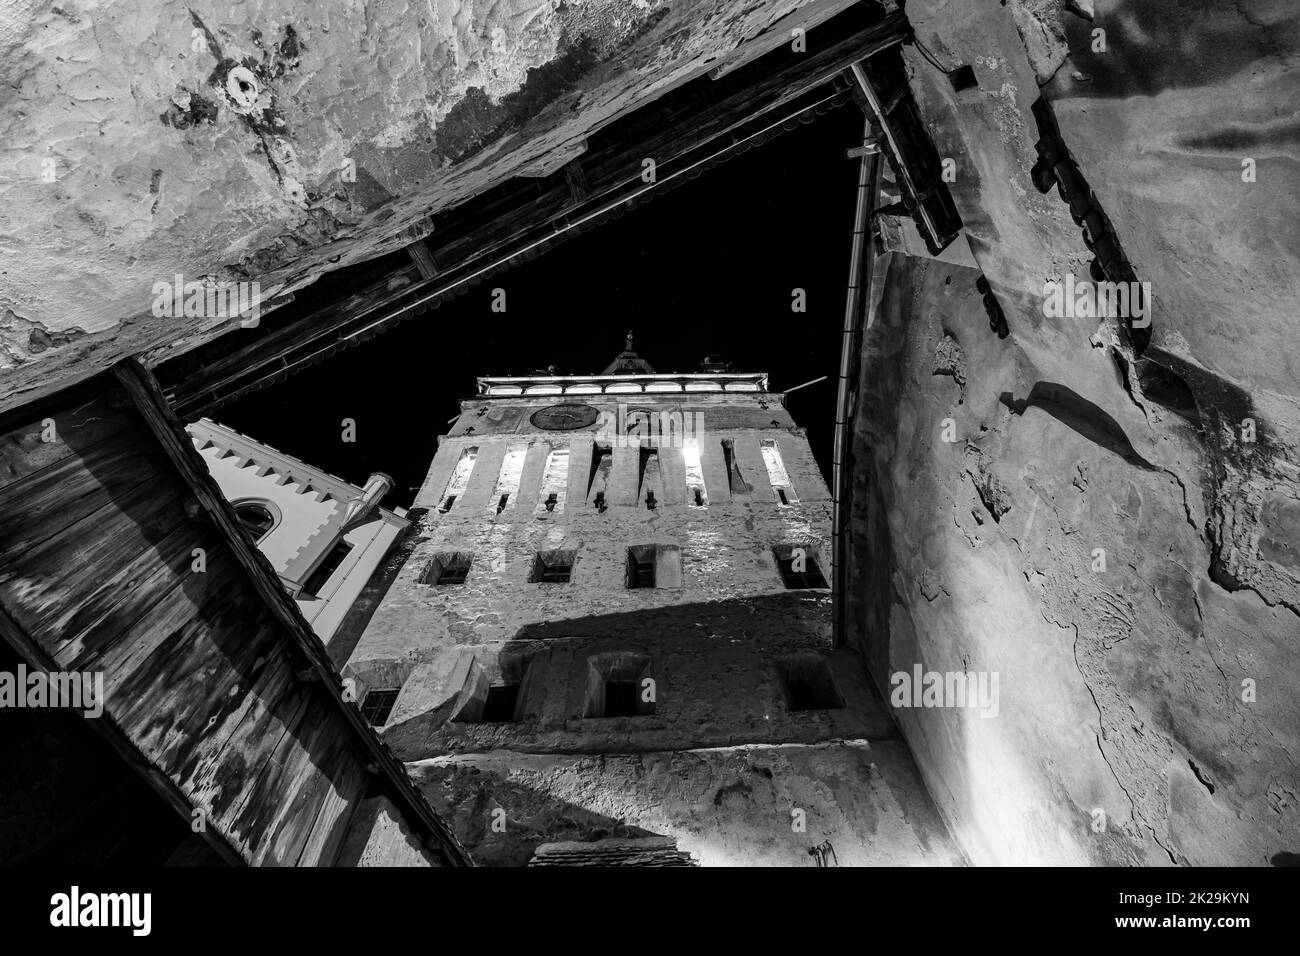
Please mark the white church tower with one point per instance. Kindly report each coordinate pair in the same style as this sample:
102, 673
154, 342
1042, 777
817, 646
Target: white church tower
324, 536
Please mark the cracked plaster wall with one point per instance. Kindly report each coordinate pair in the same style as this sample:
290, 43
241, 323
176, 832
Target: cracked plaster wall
273, 140
1121, 690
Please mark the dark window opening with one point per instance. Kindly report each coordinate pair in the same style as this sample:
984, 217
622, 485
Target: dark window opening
255, 520
499, 708
620, 698
378, 705
806, 680
650, 500
552, 567
551, 501
446, 505
799, 569
451, 568
780, 493
602, 462
501, 505
326, 568
963, 78
699, 498
640, 567
737, 481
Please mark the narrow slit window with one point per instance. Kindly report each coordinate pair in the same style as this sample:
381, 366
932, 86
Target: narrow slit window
459, 479
378, 705
776, 473
555, 480
649, 477
737, 481
325, 570
695, 493
602, 463
512, 470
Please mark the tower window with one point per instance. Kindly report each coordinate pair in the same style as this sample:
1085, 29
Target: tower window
798, 566
496, 689
500, 705
446, 569
255, 519
777, 476
620, 698
641, 567
602, 462
654, 566
377, 705
695, 493
649, 477
620, 684
807, 683
512, 469
737, 481
555, 479
552, 567
326, 568
459, 479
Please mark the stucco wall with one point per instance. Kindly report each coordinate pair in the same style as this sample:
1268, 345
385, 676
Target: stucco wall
1146, 712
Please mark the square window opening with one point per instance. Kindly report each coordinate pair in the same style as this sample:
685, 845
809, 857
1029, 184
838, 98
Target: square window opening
807, 683
377, 706
552, 567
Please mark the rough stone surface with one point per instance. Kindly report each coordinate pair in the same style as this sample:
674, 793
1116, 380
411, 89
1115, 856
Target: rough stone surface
274, 140
729, 807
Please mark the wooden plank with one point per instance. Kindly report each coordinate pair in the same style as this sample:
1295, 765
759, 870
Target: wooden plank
107, 728
322, 754
195, 678
104, 614
23, 451
224, 772
42, 503
119, 655
337, 811
47, 586
143, 390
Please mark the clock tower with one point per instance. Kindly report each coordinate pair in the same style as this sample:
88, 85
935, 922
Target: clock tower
613, 626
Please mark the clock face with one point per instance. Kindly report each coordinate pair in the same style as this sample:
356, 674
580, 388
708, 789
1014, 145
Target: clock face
563, 418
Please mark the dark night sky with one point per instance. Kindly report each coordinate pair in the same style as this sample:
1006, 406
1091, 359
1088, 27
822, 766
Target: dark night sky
706, 268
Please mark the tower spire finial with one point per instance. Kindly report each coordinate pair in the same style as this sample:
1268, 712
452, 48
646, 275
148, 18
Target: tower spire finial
629, 340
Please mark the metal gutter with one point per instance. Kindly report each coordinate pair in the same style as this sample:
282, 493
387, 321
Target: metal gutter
862, 252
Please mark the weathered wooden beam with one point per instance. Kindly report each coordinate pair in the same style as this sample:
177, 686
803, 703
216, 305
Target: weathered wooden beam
150, 404
38, 659
524, 216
